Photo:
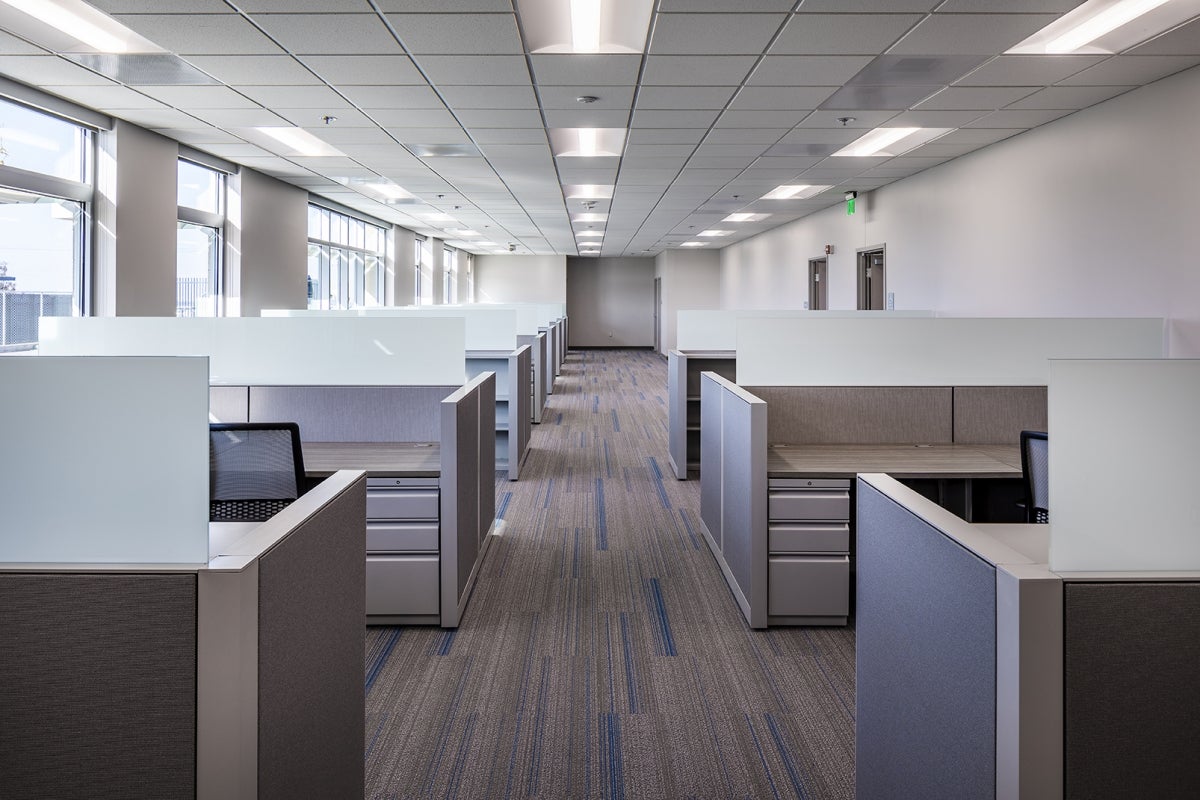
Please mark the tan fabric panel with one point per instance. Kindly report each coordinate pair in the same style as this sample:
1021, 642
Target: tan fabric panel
997, 414
857, 414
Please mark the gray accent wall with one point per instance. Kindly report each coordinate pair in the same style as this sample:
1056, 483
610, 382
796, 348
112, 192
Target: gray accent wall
611, 302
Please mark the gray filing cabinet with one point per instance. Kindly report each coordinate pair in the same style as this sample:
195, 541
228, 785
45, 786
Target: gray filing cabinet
403, 537
808, 542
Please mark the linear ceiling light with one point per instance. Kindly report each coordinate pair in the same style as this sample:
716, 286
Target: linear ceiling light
85, 24
745, 216
714, 233
801, 191
890, 142
587, 142
585, 26
590, 217
580, 234
1104, 26
694, 244
300, 142
589, 191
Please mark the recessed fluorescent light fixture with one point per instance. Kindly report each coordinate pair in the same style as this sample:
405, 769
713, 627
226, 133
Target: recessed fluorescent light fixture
585, 26
715, 233
587, 142
795, 191
378, 188
582, 234
463, 232
437, 217
1108, 26
694, 244
745, 216
300, 142
588, 191
890, 142
590, 218
81, 22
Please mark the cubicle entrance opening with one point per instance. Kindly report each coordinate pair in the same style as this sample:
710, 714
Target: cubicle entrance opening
818, 284
872, 286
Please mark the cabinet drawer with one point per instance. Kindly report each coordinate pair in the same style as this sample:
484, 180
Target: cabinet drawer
808, 538
402, 585
808, 504
808, 586
402, 504
402, 537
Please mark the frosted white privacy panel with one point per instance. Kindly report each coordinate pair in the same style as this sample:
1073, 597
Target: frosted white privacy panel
937, 351
1124, 438
330, 351
717, 330
486, 328
105, 460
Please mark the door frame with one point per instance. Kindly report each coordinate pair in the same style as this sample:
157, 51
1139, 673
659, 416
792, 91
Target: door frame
818, 283
861, 264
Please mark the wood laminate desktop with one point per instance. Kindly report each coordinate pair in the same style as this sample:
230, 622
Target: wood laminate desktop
899, 461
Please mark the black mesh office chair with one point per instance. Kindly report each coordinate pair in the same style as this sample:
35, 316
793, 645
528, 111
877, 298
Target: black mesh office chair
255, 469
1035, 471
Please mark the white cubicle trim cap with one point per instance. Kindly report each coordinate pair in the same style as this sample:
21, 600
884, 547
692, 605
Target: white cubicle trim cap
1123, 441
938, 351
105, 460
280, 352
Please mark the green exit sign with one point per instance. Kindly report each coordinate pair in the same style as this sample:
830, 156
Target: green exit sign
850, 198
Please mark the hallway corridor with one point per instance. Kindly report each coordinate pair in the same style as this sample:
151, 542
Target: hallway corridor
601, 654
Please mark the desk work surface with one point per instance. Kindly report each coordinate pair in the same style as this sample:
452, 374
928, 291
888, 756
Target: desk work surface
380, 460
899, 461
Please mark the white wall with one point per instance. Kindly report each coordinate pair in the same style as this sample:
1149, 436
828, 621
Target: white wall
1093, 214
610, 302
136, 203
273, 231
520, 279
690, 280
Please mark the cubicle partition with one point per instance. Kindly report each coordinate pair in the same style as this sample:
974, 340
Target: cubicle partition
514, 393
684, 403
145, 652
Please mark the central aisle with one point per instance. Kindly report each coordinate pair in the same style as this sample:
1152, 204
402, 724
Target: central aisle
601, 654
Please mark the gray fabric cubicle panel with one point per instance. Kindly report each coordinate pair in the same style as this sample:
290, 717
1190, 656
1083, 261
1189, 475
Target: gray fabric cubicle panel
311, 705
997, 414
229, 403
858, 414
353, 413
711, 456
485, 462
97, 685
470, 447
926, 660
1132, 698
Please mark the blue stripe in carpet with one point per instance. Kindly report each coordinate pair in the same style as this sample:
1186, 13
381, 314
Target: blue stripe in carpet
616, 422
549, 493
504, 500
627, 649
596, 404
658, 482
601, 520
658, 611
445, 641
687, 524
607, 463
380, 656
610, 757
788, 762
762, 758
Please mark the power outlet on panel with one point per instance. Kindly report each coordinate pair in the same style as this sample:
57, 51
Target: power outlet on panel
806, 305
891, 301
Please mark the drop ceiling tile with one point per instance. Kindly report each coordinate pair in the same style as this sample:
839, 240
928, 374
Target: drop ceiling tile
198, 136
1009, 118
49, 70
764, 136
970, 34
1131, 70
201, 34
781, 118
414, 118
1183, 41
198, 97
807, 149
239, 117
106, 97
469, 70
648, 177
294, 96
445, 6
936, 148
831, 136
784, 164
608, 98
720, 162
1011, 6
732, 149
859, 118
357, 70
921, 118
502, 155
394, 97
586, 118
696, 70
346, 118
496, 118
489, 97
977, 136
472, 34
486, 136
638, 163
854, 97
654, 118
585, 70
157, 118
307, 34
1072, 97
1027, 70
664, 136
753, 98
256, 70
162, 6
659, 150
237, 150
373, 141
842, 34
13, 46
757, 6
713, 34
913, 70
684, 97
986, 98
807, 70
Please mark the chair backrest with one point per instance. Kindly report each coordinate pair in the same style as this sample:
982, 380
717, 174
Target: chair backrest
1035, 470
255, 469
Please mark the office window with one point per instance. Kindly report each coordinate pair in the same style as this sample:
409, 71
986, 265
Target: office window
199, 241
347, 260
45, 221
449, 276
